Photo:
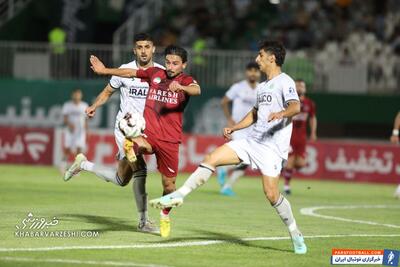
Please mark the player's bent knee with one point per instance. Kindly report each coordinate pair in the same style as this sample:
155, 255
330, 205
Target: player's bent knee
272, 196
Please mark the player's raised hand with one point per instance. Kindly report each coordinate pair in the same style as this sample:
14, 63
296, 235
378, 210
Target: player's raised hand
228, 133
90, 111
175, 86
96, 65
275, 116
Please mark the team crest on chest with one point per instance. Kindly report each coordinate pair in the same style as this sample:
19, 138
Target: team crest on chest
157, 80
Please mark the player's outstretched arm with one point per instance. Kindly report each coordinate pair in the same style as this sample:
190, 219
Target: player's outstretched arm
192, 89
248, 120
292, 110
98, 67
100, 100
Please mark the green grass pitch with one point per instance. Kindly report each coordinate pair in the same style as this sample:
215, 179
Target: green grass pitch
208, 230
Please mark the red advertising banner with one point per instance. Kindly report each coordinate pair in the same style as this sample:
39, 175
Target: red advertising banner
337, 159
26, 145
353, 161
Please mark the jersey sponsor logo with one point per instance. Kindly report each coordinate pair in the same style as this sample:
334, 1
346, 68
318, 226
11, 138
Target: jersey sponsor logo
163, 96
265, 98
157, 80
134, 91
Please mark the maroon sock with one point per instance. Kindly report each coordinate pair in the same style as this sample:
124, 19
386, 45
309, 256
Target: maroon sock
166, 211
287, 174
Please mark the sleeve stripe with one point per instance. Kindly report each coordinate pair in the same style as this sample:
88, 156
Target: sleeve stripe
113, 86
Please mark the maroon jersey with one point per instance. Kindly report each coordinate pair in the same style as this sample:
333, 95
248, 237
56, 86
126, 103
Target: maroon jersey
307, 110
163, 110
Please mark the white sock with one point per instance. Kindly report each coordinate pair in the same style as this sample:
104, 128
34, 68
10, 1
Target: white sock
199, 177
143, 216
236, 174
284, 210
107, 174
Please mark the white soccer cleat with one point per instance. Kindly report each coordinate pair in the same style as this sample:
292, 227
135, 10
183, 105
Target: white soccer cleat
299, 245
148, 227
167, 201
75, 168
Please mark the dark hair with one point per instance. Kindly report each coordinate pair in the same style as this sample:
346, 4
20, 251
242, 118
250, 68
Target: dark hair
299, 80
76, 90
275, 48
142, 37
176, 50
252, 65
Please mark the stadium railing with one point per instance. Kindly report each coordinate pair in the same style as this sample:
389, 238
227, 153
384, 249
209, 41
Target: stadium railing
211, 68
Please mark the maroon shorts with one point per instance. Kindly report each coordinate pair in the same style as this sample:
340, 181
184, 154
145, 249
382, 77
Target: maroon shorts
167, 155
298, 147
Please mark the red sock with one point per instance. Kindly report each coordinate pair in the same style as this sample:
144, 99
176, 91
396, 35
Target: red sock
166, 211
287, 174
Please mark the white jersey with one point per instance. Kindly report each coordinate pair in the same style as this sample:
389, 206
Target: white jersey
243, 99
133, 91
272, 96
76, 116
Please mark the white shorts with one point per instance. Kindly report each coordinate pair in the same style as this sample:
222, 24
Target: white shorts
74, 141
119, 140
258, 156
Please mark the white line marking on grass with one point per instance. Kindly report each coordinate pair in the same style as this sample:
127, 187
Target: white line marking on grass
311, 211
97, 263
187, 244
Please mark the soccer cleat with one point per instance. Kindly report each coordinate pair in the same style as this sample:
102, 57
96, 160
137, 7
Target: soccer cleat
75, 168
129, 151
148, 227
221, 174
166, 201
299, 245
287, 190
227, 192
165, 227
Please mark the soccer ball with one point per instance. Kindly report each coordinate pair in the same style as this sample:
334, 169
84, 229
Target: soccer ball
132, 125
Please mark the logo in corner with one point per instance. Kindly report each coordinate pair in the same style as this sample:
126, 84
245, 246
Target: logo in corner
391, 257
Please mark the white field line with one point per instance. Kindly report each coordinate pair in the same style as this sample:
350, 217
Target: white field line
88, 262
311, 211
186, 244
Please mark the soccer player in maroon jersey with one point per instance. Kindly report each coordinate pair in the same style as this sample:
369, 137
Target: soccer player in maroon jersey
297, 155
168, 95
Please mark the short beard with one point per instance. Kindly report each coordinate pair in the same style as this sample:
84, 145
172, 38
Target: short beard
143, 63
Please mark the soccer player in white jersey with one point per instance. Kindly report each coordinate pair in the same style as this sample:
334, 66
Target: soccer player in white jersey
75, 127
267, 146
133, 92
395, 140
242, 95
